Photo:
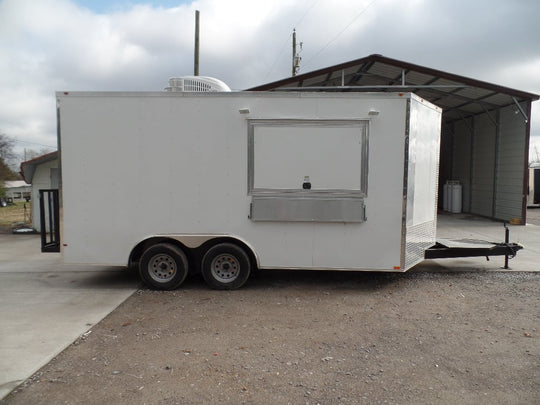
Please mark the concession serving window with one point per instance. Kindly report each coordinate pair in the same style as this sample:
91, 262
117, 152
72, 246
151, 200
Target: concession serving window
307, 169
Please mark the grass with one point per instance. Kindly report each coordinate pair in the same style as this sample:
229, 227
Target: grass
16, 213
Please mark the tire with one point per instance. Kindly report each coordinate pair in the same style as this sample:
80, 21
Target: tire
163, 266
225, 267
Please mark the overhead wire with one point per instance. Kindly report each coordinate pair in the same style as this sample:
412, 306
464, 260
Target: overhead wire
341, 32
33, 143
284, 46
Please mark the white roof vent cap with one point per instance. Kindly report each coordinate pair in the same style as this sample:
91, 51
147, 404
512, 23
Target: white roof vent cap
196, 84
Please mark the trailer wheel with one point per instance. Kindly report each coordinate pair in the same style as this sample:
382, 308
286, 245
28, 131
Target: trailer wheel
225, 267
163, 266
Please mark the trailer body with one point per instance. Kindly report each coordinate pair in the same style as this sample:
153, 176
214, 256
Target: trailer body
340, 181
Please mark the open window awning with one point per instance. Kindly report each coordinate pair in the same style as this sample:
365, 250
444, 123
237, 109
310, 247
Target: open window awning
458, 96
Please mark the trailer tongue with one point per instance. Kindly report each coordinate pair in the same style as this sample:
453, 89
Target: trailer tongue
450, 248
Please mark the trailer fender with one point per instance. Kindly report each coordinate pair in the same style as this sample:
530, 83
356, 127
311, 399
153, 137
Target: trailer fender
195, 246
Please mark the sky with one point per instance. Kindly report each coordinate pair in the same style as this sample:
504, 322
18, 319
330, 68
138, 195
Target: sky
137, 45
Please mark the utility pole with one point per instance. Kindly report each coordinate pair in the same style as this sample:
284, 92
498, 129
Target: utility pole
196, 65
295, 56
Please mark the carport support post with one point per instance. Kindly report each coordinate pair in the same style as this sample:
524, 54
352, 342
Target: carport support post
526, 165
497, 122
506, 240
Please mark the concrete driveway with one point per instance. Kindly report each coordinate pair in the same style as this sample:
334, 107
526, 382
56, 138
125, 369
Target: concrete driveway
469, 227
45, 305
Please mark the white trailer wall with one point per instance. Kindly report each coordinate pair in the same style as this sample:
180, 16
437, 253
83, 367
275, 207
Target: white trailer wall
141, 164
421, 179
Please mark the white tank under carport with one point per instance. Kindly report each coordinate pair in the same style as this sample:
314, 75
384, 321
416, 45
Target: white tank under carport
452, 195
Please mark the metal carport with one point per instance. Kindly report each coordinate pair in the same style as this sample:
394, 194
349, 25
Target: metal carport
485, 129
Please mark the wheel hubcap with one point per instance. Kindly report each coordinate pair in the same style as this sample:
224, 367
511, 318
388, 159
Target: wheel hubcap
162, 268
225, 268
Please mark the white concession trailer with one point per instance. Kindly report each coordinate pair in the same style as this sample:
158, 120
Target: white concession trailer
226, 182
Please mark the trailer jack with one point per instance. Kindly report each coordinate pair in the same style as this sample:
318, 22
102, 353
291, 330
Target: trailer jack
445, 249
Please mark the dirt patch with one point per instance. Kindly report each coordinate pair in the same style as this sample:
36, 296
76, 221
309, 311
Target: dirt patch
308, 338
18, 212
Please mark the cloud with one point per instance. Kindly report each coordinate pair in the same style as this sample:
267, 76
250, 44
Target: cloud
524, 75
51, 45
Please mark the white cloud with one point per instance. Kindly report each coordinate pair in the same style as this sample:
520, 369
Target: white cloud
51, 45
524, 74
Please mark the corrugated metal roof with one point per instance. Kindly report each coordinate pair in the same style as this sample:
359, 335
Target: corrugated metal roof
458, 96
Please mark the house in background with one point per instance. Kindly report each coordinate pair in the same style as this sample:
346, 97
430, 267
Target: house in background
43, 174
18, 190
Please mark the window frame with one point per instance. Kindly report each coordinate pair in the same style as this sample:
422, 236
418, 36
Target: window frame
362, 124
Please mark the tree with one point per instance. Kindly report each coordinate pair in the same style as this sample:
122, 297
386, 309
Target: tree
5, 174
30, 154
6, 155
6, 148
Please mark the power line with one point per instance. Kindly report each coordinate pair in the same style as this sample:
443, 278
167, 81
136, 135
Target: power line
306, 13
278, 57
33, 143
341, 32
287, 41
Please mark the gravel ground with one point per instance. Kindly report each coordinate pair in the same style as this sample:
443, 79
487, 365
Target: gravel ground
310, 338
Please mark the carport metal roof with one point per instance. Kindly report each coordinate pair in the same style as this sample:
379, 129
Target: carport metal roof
458, 96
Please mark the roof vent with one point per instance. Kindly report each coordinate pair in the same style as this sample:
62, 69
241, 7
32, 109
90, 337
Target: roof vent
196, 84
